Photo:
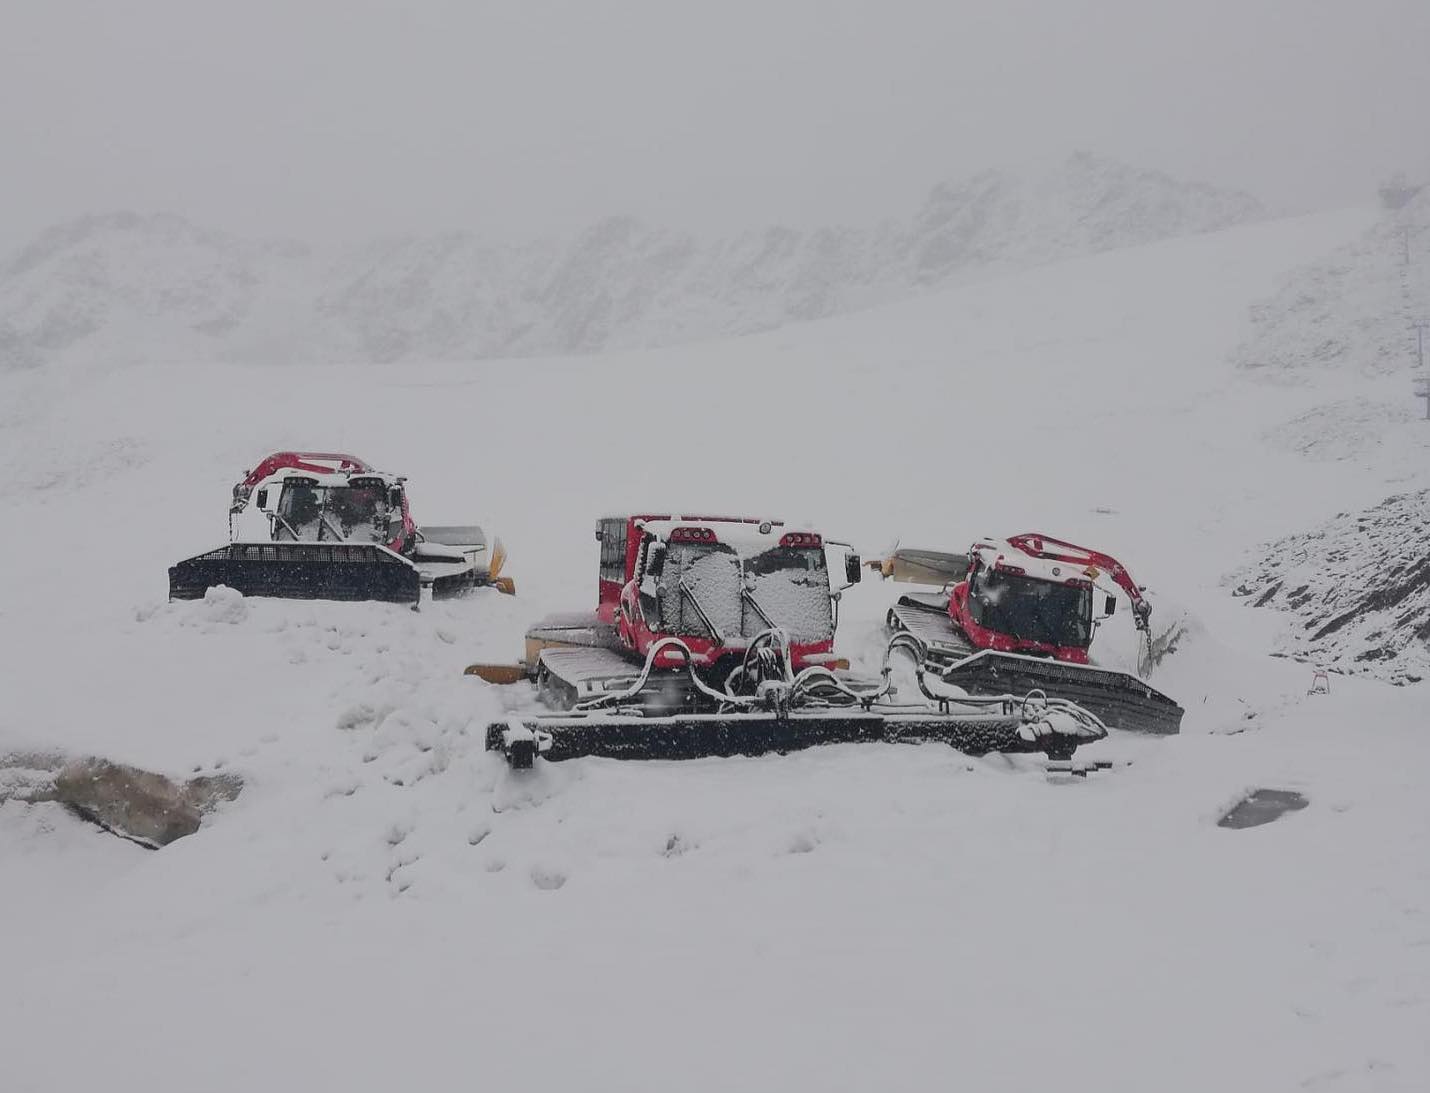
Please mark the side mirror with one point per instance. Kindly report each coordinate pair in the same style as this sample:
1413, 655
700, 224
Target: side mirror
853, 570
1109, 605
655, 559
263, 499
394, 497
598, 535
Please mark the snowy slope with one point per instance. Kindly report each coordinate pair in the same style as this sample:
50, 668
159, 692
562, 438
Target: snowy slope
1338, 333
385, 906
157, 288
1350, 310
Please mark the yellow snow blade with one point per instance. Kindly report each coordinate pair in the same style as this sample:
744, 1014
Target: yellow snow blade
497, 673
922, 566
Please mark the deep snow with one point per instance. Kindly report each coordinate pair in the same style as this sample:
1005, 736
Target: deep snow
386, 907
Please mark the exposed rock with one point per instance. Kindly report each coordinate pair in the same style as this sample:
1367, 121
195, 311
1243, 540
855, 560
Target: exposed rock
131, 802
1351, 310
1262, 806
1359, 587
136, 804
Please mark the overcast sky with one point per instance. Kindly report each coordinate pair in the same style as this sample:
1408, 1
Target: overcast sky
327, 119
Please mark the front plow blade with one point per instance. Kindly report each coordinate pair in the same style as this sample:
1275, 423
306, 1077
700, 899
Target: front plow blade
299, 571
698, 736
500, 674
935, 567
1120, 700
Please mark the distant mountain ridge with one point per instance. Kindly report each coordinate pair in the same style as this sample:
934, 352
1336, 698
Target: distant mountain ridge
125, 286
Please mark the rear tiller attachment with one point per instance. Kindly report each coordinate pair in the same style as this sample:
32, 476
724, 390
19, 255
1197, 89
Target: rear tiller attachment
766, 707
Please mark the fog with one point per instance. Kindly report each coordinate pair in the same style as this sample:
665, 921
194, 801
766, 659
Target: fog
331, 119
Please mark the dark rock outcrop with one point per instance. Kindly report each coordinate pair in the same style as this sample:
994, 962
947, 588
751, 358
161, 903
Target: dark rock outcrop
1359, 588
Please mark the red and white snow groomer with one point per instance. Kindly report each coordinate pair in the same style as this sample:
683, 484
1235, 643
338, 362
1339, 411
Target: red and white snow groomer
1020, 614
328, 526
714, 636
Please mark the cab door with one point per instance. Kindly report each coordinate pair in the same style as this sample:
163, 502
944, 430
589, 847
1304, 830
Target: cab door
612, 533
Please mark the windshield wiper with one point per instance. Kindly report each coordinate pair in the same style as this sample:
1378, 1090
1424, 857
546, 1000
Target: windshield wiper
286, 524
700, 612
749, 597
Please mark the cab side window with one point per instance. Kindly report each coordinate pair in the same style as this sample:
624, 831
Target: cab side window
613, 550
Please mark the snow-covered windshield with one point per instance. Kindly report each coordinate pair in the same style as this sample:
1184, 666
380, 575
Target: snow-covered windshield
705, 585
1031, 609
333, 513
791, 585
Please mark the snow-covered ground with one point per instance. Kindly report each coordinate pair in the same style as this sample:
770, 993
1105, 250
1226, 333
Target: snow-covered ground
386, 907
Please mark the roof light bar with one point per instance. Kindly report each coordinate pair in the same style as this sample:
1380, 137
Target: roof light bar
692, 535
801, 539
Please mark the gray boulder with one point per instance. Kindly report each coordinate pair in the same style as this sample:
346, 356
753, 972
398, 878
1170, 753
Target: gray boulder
138, 804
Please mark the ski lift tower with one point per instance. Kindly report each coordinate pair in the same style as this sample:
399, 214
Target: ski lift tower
1422, 378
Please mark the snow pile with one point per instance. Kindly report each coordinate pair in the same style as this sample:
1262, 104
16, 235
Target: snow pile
128, 287
1359, 588
222, 607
